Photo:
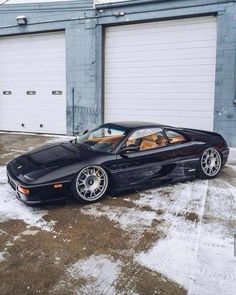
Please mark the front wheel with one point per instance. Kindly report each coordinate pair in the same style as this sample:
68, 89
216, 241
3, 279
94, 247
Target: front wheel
210, 163
90, 184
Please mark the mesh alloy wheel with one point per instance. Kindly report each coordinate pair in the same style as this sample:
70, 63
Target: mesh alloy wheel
210, 163
91, 183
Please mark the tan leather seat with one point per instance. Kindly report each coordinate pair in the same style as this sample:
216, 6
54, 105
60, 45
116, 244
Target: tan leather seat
108, 139
161, 141
149, 142
130, 141
176, 139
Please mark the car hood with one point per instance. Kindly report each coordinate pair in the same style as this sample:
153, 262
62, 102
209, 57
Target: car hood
48, 158
59, 155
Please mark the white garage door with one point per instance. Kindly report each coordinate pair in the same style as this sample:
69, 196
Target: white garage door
162, 72
33, 83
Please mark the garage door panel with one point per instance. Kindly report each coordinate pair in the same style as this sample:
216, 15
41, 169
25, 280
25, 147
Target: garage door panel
159, 55
161, 71
43, 45
174, 121
33, 63
156, 80
148, 39
162, 113
160, 63
162, 87
161, 116
157, 96
187, 23
42, 38
170, 105
198, 30
161, 46
44, 54
35, 85
32, 115
22, 109
168, 70
31, 126
32, 68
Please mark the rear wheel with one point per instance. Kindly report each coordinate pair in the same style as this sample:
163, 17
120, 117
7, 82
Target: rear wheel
210, 163
90, 184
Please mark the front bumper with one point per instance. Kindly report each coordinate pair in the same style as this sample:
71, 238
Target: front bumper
39, 194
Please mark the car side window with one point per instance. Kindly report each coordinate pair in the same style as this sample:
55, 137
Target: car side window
148, 138
174, 137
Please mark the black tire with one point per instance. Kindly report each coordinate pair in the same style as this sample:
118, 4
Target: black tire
210, 163
90, 184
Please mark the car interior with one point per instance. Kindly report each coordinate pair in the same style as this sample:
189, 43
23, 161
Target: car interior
148, 142
174, 137
151, 141
111, 141
155, 140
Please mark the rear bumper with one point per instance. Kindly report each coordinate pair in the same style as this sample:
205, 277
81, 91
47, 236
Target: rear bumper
39, 194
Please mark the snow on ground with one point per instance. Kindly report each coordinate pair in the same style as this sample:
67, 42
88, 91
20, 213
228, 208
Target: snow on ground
129, 219
198, 221
232, 154
2, 256
99, 271
216, 265
176, 254
2, 232
197, 252
11, 208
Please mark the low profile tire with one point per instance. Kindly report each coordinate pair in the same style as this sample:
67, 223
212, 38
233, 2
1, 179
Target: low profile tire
210, 163
90, 184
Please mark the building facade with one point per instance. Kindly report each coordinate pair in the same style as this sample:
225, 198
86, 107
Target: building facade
72, 65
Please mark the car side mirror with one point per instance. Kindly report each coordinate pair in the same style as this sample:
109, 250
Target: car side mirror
130, 148
85, 131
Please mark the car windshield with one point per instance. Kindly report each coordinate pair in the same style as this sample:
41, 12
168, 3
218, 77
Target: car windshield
102, 139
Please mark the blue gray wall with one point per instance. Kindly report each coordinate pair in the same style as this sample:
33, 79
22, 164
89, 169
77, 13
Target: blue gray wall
84, 28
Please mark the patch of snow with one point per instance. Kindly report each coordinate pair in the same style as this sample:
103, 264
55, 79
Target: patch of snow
215, 265
198, 255
3, 176
232, 154
29, 232
99, 271
130, 219
175, 255
11, 152
2, 258
2, 232
11, 208
6, 155
162, 202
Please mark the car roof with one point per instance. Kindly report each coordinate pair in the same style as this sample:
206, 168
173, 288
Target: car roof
136, 124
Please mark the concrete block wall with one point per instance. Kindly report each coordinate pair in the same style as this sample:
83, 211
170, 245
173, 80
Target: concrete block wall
225, 91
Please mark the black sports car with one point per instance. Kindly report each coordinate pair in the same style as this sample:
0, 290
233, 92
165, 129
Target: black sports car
116, 157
